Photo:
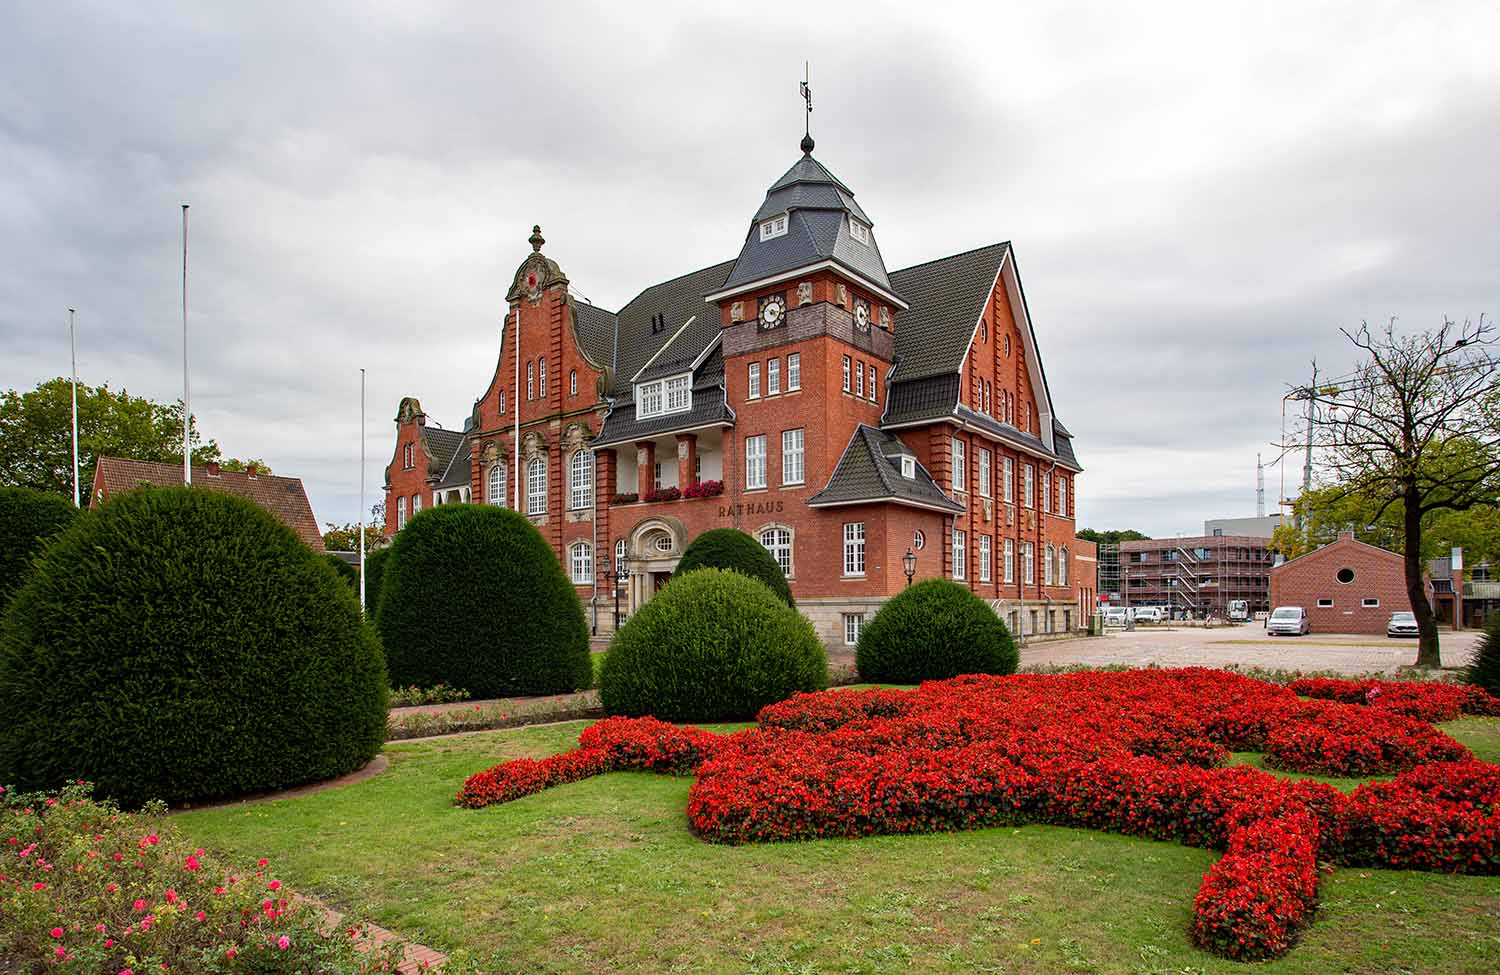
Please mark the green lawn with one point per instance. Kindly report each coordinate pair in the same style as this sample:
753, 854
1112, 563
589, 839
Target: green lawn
603, 876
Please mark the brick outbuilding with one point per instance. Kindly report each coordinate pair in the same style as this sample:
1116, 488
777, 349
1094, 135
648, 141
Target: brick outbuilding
1346, 586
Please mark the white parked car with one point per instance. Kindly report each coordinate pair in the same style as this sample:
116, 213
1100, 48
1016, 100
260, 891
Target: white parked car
1288, 620
1149, 614
1116, 616
1402, 624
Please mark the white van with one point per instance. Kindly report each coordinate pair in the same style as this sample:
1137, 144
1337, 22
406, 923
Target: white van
1149, 614
1116, 616
1288, 620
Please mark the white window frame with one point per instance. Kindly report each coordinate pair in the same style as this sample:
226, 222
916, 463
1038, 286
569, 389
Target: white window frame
581, 480
984, 472
1325, 602
541, 378
1010, 561
794, 372
1028, 486
859, 232
854, 548
1028, 563
986, 558
1046, 492
773, 376
400, 513
752, 381
846, 373
1047, 565
1370, 602
755, 462
960, 555
416, 505
679, 394
960, 467
1062, 565
908, 467
536, 486
777, 539
853, 623
793, 456
859, 380
873, 397
581, 563
572, 382
495, 484
1010, 480
622, 556
502, 401
1062, 496
773, 227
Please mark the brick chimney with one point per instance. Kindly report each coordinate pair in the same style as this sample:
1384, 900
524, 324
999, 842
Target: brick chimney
253, 470
213, 468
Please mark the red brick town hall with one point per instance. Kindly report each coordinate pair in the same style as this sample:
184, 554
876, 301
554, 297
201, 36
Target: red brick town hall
840, 413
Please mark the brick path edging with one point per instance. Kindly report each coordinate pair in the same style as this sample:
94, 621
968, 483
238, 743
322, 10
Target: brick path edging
415, 958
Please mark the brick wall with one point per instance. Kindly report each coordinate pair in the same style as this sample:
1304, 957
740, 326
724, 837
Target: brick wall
1377, 574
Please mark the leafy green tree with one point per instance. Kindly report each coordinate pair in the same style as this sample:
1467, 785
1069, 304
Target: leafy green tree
1328, 509
36, 434
1112, 537
235, 464
345, 538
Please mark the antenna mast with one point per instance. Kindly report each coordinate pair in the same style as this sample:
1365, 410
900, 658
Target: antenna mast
1260, 488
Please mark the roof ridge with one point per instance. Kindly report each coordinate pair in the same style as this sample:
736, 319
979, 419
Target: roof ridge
673, 280
882, 470
949, 257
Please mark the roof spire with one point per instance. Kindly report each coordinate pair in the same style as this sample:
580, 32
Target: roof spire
806, 86
536, 240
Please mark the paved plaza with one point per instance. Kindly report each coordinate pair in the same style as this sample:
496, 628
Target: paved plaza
1246, 645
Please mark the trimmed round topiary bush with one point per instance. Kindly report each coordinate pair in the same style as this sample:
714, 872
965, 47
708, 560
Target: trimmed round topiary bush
27, 520
473, 596
374, 576
1484, 669
934, 630
729, 548
180, 643
713, 645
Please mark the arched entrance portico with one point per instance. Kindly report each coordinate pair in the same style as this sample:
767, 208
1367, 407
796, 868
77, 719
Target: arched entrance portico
655, 549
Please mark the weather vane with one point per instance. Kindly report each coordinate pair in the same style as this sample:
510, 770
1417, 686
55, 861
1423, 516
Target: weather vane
806, 87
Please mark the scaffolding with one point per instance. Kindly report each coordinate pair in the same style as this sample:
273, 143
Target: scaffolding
1109, 586
1196, 577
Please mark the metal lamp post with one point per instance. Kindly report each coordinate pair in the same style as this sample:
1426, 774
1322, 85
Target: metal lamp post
614, 578
909, 565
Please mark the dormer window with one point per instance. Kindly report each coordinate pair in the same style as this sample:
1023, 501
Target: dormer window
664, 397
859, 231
774, 227
908, 468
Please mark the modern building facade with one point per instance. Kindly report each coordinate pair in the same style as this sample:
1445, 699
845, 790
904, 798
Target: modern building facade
841, 414
1262, 526
1198, 576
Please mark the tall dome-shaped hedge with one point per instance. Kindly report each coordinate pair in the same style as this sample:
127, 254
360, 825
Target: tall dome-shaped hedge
474, 597
27, 519
729, 548
711, 646
374, 577
934, 630
182, 643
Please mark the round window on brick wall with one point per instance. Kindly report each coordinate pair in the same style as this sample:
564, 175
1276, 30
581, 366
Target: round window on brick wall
1345, 575
918, 540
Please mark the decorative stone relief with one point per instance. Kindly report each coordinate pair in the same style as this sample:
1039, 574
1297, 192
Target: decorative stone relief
640, 457
804, 293
576, 436
533, 444
490, 453
989, 509
843, 296
682, 450
885, 317
737, 312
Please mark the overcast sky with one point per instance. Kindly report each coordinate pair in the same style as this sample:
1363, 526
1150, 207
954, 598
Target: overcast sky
1199, 196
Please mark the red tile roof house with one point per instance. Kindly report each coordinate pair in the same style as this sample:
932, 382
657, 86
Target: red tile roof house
1346, 586
284, 497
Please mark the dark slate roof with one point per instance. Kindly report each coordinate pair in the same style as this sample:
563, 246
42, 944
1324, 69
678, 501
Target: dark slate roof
1064, 443
456, 474
709, 408
870, 470
596, 332
441, 445
947, 296
678, 299
931, 398
818, 206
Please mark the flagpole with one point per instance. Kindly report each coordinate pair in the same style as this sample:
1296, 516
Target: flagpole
187, 400
73, 344
516, 405
361, 490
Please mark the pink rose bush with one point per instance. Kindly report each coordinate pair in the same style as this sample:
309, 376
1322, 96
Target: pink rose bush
1137, 752
85, 888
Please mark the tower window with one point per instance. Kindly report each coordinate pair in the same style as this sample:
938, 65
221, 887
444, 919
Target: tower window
859, 231
774, 227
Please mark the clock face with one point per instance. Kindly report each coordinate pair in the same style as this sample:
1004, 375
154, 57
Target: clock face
772, 310
862, 315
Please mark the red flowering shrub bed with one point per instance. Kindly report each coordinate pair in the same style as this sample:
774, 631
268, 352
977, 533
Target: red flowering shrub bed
1138, 752
85, 888
1424, 700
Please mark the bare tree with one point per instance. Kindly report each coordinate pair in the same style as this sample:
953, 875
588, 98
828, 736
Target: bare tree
1414, 428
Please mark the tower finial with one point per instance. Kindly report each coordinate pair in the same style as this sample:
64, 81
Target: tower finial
806, 86
536, 240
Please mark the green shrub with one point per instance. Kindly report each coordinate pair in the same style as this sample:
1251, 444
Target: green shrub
713, 645
179, 644
729, 548
374, 576
934, 630
1484, 669
343, 570
473, 596
27, 519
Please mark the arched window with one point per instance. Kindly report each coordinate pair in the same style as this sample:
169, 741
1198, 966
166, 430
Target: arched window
536, 486
1062, 566
620, 558
541, 378
502, 401
495, 491
581, 563
1047, 566
778, 541
581, 480
572, 382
